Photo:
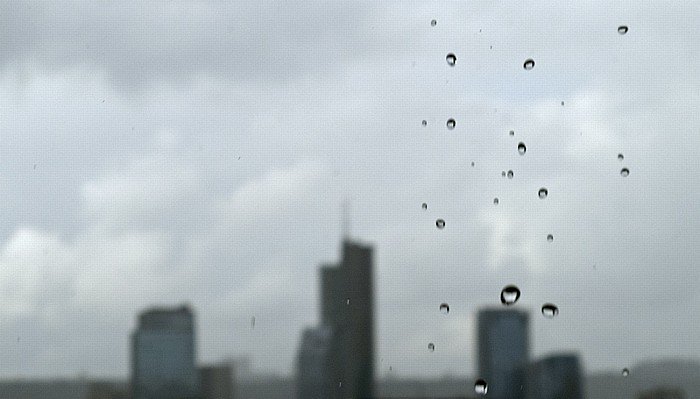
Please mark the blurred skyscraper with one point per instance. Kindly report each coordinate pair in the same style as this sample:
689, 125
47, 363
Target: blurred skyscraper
555, 377
503, 347
163, 355
345, 341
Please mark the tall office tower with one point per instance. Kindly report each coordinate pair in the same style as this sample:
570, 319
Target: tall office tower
216, 381
163, 355
555, 377
348, 309
503, 352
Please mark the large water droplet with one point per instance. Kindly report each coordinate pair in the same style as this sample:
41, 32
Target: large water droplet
424, 123
440, 224
480, 387
620, 157
451, 59
529, 64
543, 193
624, 172
433, 22
424, 206
509, 295
510, 174
451, 123
622, 29
625, 372
521, 148
495, 201
431, 347
550, 310
550, 238
444, 308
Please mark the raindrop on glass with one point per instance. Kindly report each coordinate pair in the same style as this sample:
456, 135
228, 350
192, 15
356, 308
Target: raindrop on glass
509, 295
495, 201
550, 238
431, 347
444, 308
620, 157
550, 310
451, 59
512, 132
451, 123
510, 174
503, 173
624, 172
562, 103
622, 29
433, 22
529, 64
480, 387
440, 224
472, 164
424, 206
521, 148
625, 372
347, 301
543, 193
424, 123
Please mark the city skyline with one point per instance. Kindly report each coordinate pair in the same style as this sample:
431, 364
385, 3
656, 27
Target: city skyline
199, 152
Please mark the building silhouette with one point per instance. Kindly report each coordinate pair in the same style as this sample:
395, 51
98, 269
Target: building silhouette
344, 344
556, 377
503, 347
216, 381
163, 355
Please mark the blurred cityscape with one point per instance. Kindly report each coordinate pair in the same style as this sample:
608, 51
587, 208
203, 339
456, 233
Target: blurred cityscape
335, 360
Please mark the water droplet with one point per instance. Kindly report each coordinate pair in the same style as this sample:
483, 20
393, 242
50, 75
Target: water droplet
625, 372
543, 193
433, 22
440, 224
503, 173
622, 29
424, 206
512, 133
444, 308
529, 64
562, 103
252, 322
521, 148
510, 174
495, 201
480, 387
620, 157
509, 295
424, 123
472, 164
624, 172
451, 59
431, 347
340, 384
347, 301
550, 238
451, 123
550, 310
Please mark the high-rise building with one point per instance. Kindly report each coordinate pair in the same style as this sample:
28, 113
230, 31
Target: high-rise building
503, 352
337, 359
163, 355
555, 377
348, 308
216, 381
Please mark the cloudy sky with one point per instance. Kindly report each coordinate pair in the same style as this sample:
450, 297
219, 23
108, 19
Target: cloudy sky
154, 153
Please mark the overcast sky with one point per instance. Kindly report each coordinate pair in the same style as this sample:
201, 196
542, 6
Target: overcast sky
155, 153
